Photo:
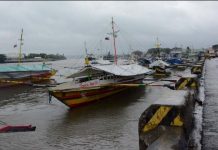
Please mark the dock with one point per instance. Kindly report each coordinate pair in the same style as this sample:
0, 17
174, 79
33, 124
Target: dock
175, 114
201, 129
210, 109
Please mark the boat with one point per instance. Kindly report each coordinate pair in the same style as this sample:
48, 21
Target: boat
95, 82
21, 128
109, 57
24, 74
95, 60
159, 63
160, 69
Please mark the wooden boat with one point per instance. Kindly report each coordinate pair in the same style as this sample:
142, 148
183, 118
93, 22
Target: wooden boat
159, 63
161, 72
24, 74
96, 82
21, 128
160, 69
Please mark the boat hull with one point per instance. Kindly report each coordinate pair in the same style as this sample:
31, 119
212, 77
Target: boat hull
35, 77
78, 98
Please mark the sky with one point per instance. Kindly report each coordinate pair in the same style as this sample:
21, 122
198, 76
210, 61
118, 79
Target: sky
64, 27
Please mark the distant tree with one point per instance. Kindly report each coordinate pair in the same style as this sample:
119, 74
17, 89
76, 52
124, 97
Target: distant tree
188, 49
138, 53
166, 50
156, 51
43, 55
2, 58
33, 55
46, 56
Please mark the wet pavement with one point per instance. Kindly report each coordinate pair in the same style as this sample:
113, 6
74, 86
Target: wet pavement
210, 110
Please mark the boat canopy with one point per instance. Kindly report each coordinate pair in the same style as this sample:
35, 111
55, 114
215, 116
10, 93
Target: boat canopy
158, 63
118, 70
23, 68
174, 61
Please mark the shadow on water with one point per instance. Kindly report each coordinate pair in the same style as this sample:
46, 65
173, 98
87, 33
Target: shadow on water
98, 125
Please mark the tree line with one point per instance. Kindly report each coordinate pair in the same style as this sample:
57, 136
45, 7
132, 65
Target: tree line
3, 57
45, 56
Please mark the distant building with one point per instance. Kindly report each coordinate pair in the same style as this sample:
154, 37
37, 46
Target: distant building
211, 52
37, 57
215, 47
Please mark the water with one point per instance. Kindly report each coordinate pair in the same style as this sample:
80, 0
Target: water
111, 124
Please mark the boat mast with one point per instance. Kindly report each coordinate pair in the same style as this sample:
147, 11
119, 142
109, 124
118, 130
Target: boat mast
86, 58
86, 48
158, 47
21, 40
114, 36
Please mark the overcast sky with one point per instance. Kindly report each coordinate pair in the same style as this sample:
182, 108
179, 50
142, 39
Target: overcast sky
62, 27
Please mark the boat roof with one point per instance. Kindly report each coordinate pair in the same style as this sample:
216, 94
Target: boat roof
158, 63
21, 67
118, 70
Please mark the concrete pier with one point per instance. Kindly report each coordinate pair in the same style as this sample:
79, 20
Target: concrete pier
210, 110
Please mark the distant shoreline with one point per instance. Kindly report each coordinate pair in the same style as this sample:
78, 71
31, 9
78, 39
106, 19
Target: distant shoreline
31, 60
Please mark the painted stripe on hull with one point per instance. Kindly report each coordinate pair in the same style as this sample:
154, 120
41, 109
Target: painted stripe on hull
76, 95
78, 98
33, 79
84, 100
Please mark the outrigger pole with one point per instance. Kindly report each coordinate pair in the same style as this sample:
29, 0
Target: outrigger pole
21, 39
114, 36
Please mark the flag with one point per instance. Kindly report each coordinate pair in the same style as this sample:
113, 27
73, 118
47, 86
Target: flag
107, 38
15, 45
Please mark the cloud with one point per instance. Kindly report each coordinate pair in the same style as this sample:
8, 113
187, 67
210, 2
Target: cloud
62, 27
